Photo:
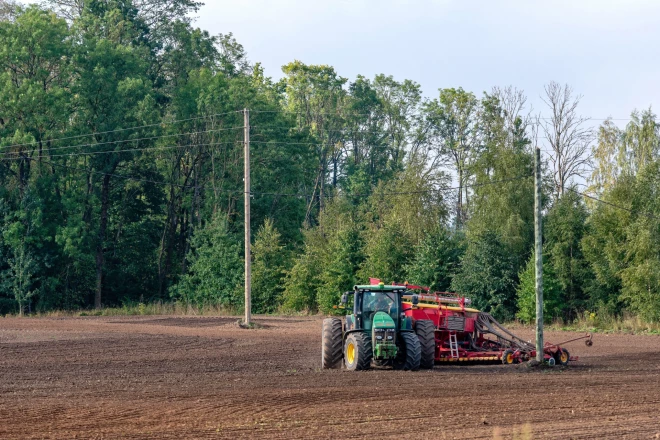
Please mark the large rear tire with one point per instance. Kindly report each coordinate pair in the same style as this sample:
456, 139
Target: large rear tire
358, 352
410, 352
426, 334
331, 343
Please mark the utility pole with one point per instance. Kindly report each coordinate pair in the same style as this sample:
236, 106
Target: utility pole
246, 195
538, 248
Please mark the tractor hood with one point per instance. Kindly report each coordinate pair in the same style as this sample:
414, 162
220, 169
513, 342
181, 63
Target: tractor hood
383, 320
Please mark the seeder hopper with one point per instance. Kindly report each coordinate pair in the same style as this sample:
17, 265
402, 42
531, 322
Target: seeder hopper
465, 335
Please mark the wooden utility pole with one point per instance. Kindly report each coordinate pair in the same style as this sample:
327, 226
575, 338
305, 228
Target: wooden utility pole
246, 195
538, 248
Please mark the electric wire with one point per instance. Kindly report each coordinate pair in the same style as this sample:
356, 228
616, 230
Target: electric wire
92, 153
399, 193
613, 205
162, 123
324, 131
261, 193
134, 140
122, 129
545, 118
125, 177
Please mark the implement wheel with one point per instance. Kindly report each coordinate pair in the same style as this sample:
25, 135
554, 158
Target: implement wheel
331, 343
426, 334
508, 358
562, 357
358, 352
410, 352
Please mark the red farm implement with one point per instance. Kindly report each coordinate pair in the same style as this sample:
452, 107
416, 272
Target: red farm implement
464, 334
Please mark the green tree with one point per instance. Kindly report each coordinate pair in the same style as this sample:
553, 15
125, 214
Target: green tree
304, 277
215, 274
315, 95
436, 259
625, 152
22, 270
503, 199
622, 244
564, 228
604, 245
343, 259
487, 275
388, 251
553, 305
640, 277
329, 260
454, 131
268, 269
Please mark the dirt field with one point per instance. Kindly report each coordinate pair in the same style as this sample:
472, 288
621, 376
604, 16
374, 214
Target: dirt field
176, 377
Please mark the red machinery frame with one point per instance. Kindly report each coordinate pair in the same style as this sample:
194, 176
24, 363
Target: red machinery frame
464, 334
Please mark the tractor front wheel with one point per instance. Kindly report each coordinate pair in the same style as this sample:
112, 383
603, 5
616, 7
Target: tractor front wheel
358, 352
426, 334
410, 352
331, 344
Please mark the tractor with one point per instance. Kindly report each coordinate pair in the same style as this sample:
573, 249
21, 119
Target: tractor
378, 332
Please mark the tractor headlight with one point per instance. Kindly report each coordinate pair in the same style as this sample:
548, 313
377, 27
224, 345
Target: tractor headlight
389, 335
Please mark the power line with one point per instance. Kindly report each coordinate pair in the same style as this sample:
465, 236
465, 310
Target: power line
289, 112
346, 131
375, 114
595, 119
475, 185
123, 129
122, 176
92, 153
136, 140
51, 140
610, 203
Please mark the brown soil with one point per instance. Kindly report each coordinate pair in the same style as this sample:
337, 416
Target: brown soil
188, 377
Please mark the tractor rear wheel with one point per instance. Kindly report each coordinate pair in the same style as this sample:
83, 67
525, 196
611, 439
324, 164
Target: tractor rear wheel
358, 352
562, 357
331, 344
426, 334
410, 352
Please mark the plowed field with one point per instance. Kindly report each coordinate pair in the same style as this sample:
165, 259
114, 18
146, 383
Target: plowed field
202, 377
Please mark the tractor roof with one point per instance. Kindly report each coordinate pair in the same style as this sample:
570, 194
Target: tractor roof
377, 287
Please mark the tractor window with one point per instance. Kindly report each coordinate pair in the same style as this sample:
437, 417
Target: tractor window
380, 302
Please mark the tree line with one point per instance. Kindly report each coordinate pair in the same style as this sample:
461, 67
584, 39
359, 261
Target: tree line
121, 130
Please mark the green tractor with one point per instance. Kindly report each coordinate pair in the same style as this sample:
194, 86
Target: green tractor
377, 332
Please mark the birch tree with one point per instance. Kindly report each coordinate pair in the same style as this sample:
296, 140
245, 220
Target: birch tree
568, 136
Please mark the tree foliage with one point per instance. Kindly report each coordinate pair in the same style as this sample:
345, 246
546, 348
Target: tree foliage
553, 305
215, 268
487, 275
268, 269
121, 177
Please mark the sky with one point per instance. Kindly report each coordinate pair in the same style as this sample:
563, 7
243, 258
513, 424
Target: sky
606, 50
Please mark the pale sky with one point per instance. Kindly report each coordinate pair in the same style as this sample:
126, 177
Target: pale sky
606, 50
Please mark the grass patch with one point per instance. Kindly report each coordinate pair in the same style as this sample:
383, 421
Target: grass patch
594, 322
143, 309
597, 322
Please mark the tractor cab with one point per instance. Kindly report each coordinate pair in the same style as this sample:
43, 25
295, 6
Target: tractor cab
375, 307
